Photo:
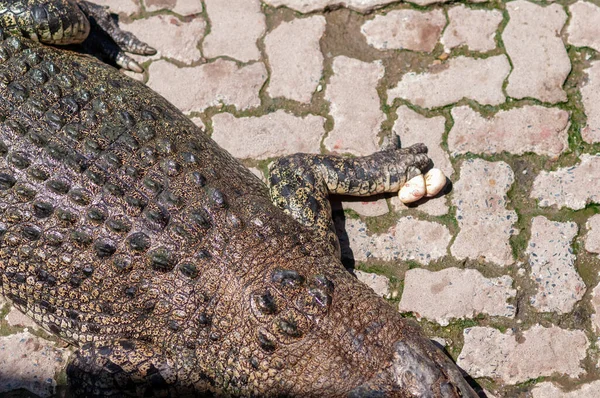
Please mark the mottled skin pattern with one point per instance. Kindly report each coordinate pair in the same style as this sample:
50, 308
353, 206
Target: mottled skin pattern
128, 232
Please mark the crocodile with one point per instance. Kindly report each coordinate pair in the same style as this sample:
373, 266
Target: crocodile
127, 232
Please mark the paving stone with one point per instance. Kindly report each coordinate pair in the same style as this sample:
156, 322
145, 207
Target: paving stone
480, 200
273, 135
17, 318
592, 239
198, 122
405, 30
295, 58
171, 37
258, 173
573, 187
428, 2
306, 6
552, 265
379, 283
181, 7
454, 293
595, 317
29, 362
214, 83
540, 66
511, 359
547, 390
475, 29
413, 128
457, 78
127, 7
355, 106
583, 29
543, 131
235, 27
436, 206
367, 208
590, 96
409, 239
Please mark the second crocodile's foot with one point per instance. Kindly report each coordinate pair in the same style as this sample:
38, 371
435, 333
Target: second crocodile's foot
111, 42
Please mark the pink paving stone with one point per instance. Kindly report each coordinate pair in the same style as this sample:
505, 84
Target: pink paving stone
550, 390
457, 78
235, 27
475, 29
454, 293
511, 359
171, 37
543, 131
272, 135
413, 128
590, 96
538, 54
181, 7
295, 58
405, 30
595, 317
379, 283
552, 262
194, 89
480, 200
367, 208
17, 318
316, 5
592, 239
573, 187
436, 206
127, 7
355, 106
409, 239
17, 354
583, 29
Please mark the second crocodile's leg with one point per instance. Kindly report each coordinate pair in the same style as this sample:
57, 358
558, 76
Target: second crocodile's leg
111, 41
300, 184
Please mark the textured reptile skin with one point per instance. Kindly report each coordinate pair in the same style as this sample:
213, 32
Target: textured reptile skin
128, 232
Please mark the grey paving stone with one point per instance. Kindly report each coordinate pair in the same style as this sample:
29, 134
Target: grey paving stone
181, 7
379, 283
355, 106
550, 390
428, 2
457, 78
573, 187
540, 66
171, 37
583, 29
235, 27
258, 173
511, 359
368, 208
409, 239
480, 200
475, 29
543, 131
317, 5
18, 352
127, 7
590, 96
405, 30
454, 293
552, 263
295, 58
273, 135
194, 89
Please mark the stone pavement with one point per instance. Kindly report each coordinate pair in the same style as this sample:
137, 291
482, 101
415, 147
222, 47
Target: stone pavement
503, 268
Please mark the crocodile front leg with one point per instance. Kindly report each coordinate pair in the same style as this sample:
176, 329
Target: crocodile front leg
300, 184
